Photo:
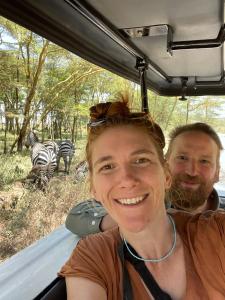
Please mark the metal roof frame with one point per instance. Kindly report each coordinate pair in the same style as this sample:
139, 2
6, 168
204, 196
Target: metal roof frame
180, 60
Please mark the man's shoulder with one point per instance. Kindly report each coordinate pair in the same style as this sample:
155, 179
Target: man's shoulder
214, 200
208, 221
85, 206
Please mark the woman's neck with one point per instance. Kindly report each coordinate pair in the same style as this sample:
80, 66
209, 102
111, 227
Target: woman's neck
155, 240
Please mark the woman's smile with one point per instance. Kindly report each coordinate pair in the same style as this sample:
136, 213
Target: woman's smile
132, 201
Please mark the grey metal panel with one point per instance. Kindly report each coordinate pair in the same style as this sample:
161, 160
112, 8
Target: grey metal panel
26, 274
191, 62
61, 23
192, 19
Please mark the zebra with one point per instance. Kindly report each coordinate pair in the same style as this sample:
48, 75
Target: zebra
43, 158
32, 138
52, 145
66, 151
81, 171
44, 163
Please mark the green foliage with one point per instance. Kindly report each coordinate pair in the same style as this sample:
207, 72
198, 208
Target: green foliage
28, 214
66, 86
52, 89
13, 167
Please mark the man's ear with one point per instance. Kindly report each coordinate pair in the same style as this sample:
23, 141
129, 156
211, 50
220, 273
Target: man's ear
217, 175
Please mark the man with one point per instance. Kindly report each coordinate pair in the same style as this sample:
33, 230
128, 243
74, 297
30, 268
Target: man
193, 156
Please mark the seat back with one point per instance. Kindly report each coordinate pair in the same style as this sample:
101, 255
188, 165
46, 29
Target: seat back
55, 290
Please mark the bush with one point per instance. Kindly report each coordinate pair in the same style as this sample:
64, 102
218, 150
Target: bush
26, 215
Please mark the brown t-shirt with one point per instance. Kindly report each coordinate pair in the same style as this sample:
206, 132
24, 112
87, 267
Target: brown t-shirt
203, 235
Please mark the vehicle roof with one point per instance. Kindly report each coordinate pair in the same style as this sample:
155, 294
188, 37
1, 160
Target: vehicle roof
180, 41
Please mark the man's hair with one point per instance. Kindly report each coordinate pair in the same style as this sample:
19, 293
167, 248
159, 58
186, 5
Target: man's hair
195, 127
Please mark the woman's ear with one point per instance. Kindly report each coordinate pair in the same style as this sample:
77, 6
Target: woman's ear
92, 189
168, 177
93, 192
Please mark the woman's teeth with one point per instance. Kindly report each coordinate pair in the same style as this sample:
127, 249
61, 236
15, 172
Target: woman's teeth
128, 201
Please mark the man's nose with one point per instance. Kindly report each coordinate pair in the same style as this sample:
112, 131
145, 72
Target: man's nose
192, 168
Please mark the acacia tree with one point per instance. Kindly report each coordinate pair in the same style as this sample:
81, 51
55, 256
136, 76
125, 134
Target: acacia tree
64, 92
32, 81
36, 55
30, 51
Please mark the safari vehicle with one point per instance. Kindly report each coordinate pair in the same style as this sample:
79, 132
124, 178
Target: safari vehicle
174, 48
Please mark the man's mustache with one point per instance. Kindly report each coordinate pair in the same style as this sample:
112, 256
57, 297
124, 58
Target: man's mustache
189, 179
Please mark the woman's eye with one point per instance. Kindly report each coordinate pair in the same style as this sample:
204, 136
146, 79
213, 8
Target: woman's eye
106, 167
142, 160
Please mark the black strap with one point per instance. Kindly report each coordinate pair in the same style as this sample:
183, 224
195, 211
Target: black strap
145, 274
127, 287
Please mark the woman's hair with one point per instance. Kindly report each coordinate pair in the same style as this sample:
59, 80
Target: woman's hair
117, 113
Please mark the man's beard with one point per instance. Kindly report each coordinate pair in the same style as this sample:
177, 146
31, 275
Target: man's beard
187, 198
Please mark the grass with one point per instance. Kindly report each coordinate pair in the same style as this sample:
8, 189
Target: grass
26, 215
13, 167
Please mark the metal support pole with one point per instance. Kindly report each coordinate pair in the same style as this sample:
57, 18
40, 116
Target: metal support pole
142, 66
184, 81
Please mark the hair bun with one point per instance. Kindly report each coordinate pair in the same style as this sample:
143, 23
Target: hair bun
99, 111
109, 109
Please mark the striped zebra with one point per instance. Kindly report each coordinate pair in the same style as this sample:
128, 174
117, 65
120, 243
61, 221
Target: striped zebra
32, 138
44, 164
81, 171
43, 160
66, 151
51, 145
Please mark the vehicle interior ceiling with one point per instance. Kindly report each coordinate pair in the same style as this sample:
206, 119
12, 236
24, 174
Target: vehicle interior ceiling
175, 47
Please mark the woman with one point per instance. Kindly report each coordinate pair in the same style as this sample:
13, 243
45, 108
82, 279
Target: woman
151, 255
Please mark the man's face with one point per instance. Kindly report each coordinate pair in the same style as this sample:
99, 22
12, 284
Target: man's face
194, 166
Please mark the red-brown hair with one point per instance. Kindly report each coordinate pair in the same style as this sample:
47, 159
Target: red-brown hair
112, 114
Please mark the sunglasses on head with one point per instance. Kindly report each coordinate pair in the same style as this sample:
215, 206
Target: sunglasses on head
132, 116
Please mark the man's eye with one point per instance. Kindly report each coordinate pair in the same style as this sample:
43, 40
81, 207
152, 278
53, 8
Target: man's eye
182, 157
204, 161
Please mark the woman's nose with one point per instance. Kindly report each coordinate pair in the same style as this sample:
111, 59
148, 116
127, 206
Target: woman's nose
128, 177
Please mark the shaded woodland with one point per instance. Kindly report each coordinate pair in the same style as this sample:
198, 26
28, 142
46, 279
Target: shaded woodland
47, 88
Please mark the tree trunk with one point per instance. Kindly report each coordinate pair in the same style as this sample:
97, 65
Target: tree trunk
60, 129
73, 129
21, 137
187, 113
5, 138
30, 97
171, 113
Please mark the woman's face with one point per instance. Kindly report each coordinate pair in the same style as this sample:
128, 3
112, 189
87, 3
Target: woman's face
128, 178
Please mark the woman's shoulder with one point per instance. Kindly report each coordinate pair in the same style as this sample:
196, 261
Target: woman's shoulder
93, 254
107, 240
